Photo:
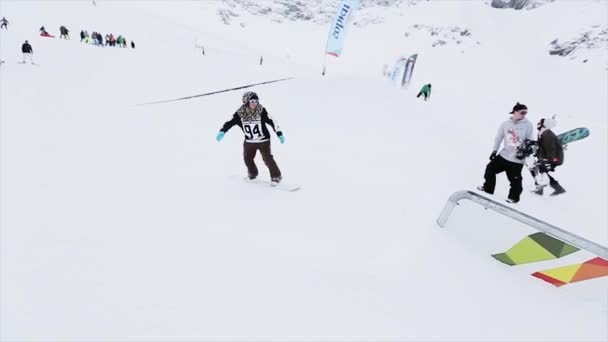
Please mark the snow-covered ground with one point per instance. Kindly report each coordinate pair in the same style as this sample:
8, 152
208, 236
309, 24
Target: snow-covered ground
125, 222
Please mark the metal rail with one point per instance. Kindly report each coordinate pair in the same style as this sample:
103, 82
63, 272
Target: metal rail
515, 214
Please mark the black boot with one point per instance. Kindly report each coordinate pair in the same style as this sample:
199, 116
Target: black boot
558, 189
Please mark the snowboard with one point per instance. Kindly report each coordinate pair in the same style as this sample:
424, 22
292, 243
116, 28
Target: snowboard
528, 148
28, 63
283, 186
573, 135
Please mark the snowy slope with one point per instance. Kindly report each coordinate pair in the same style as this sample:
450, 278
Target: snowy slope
123, 222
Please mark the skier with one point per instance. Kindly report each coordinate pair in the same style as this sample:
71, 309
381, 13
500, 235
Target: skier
65, 33
252, 118
512, 132
132, 45
426, 91
28, 52
550, 154
4, 23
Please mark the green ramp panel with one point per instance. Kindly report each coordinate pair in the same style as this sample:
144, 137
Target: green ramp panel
533, 248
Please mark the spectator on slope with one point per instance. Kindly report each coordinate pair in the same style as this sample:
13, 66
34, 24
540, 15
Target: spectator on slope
65, 33
107, 39
96, 38
425, 91
28, 52
44, 33
4, 23
512, 133
121, 41
252, 118
550, 154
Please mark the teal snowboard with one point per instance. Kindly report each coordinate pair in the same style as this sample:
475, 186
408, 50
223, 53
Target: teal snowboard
573, 135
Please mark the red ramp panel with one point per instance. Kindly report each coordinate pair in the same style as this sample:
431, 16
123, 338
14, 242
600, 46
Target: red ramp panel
594, 268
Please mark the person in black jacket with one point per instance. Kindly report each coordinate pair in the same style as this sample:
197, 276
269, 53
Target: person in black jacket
252, 118
550, 154
28, 52
65, 33
4, 23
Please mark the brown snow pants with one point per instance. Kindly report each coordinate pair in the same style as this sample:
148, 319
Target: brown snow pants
249, 151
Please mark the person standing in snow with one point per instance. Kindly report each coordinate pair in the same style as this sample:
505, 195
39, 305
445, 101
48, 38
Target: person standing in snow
4, 23
513, 133
28, 52
550, 154
252, 118
425, 91
65, 33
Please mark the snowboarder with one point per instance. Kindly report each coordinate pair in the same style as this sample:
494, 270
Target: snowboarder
425, 91
28, 52
44, 33
252, 118
550, 154
512, 132
65, 33
4, 23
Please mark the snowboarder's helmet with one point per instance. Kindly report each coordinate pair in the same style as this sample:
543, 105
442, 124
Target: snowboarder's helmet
250, 95
546, 123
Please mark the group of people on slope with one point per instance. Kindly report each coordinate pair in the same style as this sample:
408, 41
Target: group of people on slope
97, 39
513, 134
252, 118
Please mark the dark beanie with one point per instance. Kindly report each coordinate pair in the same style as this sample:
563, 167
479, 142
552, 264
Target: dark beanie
518, 107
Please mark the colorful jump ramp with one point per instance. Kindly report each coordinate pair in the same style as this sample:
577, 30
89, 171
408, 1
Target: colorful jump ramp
594, 268
541, 247
533, 248
547, 244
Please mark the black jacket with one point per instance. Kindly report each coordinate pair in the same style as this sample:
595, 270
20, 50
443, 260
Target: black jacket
550, 148
26, 48
253, 125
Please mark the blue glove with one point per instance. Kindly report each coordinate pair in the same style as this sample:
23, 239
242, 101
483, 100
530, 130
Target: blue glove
282, 138
220, 136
